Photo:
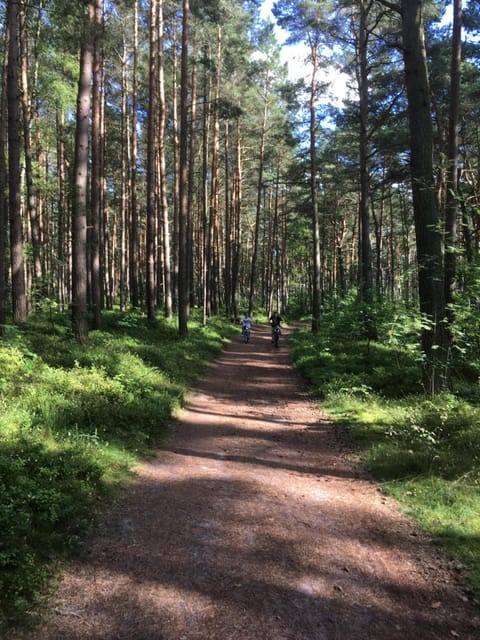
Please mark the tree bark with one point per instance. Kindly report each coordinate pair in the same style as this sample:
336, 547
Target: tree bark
19, 299
97, 171
162, 111
27, 147
134, 261
365, 248
451, 211
79, 209
151, 218
425, 205
183, 213
62, 257
3, 191
212, 253
316, 284
261, 167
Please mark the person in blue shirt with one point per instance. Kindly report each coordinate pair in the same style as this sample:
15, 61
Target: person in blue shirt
246, 323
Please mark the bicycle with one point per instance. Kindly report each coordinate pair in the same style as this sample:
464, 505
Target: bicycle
276, 333
246, 334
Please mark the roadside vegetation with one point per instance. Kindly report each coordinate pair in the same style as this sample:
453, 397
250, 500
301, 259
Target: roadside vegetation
424, 450
73, 422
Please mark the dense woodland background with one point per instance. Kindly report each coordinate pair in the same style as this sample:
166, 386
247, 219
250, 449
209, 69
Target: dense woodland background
156, 155
159, 157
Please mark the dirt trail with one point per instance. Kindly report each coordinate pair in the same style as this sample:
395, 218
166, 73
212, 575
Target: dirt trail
253, 524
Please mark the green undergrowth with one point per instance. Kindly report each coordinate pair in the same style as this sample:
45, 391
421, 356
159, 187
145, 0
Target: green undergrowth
73, 422
424, 451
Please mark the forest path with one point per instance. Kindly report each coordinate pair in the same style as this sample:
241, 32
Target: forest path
252, 523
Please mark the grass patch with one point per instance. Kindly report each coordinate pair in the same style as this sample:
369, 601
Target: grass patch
448, 511
426, 452
73, 422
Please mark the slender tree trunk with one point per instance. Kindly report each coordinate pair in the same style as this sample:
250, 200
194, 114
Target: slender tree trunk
124, 197
425, 206
236, 220
284, 254
261, 163
452, 169
38, 152
191, 176
316, 284
176, 168
19, 298
3, 190
97, 182
228, 222
162, 111
391, 250
62, 257
212, 254
151, 226
27, 145
134, 261
79, 209
183, 214
365, 248
205, 137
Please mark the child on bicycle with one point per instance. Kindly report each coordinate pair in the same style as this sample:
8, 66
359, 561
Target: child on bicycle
246, 323
275, 320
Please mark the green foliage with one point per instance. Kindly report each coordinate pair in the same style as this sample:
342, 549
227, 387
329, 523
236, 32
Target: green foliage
426, 451
48, 492
73, 421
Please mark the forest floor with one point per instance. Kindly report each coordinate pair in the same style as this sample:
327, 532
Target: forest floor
255, 522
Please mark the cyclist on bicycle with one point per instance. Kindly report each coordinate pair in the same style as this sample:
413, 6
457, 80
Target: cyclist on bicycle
246, 323
275, 320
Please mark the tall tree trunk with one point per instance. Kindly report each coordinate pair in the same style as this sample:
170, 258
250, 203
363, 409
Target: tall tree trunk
316, 284
3, 190
176, 168
228, 222
97, 181
236, 219
365, 248
19, 298
451, 211
205, 137
191, 175
183, 213
62, 257
151, 209
124, 196
212, 254
162, 111
79, 209
134, 261
258, 209
27, 145
425, 206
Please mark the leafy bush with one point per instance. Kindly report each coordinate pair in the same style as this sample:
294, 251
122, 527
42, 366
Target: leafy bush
48, 492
